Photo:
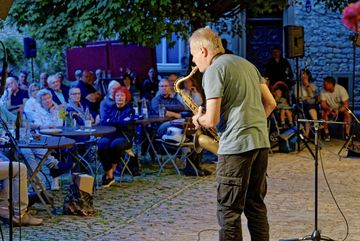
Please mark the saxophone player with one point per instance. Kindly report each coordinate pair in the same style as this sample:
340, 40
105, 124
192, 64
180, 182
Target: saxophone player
237, 103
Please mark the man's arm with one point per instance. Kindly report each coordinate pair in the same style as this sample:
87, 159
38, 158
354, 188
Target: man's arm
267, 99
212, 116
93, 97
324, 105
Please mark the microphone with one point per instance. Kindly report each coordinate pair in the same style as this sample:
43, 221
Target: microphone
4, 70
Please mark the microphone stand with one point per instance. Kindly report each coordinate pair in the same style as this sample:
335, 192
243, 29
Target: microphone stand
316, 236
349, 140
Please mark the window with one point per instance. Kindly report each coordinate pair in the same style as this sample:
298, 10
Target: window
171, 59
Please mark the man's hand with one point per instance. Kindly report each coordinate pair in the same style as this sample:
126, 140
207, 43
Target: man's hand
93, 97
196, 117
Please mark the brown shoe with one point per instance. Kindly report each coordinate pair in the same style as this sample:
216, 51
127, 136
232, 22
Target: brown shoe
27, 220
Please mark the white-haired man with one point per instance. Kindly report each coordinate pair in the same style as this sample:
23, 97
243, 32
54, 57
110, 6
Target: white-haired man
237, 102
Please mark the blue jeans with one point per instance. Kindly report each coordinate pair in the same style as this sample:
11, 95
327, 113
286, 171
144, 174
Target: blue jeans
241, 188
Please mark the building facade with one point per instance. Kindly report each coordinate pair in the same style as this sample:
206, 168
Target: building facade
328, 47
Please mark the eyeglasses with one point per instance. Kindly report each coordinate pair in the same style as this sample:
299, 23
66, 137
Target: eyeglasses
76, 93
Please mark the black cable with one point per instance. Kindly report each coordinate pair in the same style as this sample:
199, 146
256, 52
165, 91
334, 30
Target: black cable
206, 230
332, 195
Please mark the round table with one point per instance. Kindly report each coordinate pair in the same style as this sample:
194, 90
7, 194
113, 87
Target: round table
96, 131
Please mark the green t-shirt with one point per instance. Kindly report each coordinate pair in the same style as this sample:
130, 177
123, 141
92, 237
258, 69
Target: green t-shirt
243, 123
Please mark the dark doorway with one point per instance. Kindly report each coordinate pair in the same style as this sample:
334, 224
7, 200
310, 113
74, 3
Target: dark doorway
262, 34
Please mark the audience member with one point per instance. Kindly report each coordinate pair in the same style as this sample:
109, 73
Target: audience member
75, 109
173, 107
278, 69
128, 84
191, 91
59, 92
20, 195
32, 105
334, 99
43, 80
48, 115
99, 83
172, 79
225, 44
14, 97
108, 100
307, 98
89, 96
23, 80
112, 146
150, 86
283, 107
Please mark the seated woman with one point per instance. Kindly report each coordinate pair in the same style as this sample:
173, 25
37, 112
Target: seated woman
307, 96
75, 109
31, 105
46, 116
112, 146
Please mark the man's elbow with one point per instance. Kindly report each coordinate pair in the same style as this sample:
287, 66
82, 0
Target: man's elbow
272, 105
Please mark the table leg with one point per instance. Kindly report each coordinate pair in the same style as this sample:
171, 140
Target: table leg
151, 145
35, 181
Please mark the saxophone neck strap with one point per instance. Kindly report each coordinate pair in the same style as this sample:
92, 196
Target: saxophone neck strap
215, 57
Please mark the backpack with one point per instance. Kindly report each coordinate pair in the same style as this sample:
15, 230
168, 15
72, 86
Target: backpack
77, 202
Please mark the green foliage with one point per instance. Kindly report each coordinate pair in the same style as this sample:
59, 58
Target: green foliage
70, 22
14, 51
66, 23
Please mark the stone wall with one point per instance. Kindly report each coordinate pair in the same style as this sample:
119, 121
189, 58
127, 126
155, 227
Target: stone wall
328, 46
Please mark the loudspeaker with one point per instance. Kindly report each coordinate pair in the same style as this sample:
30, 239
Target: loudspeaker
29, 48
5, 7
294, 41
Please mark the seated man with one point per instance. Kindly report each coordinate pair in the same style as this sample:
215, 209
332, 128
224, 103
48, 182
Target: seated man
89, 96
59, 91
334, 99
14, 97
20, 195
175, 109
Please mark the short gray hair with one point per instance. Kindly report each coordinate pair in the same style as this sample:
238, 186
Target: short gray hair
112, 83
205, 37
41, 93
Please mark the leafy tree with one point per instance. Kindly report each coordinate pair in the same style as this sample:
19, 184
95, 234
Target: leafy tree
71, 22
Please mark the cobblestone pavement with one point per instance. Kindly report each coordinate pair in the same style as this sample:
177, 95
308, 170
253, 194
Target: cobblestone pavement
177, 208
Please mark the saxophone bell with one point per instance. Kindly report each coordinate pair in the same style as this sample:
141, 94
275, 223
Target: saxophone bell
202, 141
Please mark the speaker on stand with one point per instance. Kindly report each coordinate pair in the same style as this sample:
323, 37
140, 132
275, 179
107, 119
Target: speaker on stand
30, 52
294, 48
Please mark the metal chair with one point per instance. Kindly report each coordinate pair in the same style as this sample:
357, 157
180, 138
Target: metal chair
175, 147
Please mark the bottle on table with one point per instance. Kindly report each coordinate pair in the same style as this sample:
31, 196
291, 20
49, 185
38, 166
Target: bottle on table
87, 121
136, 107
144, 108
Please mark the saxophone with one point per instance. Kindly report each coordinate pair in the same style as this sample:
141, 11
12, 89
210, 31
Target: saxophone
210, 143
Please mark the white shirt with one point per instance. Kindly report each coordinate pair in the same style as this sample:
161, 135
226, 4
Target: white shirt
336, 98
31, 107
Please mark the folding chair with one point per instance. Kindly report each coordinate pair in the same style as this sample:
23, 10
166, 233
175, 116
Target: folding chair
174, 148
129, 153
